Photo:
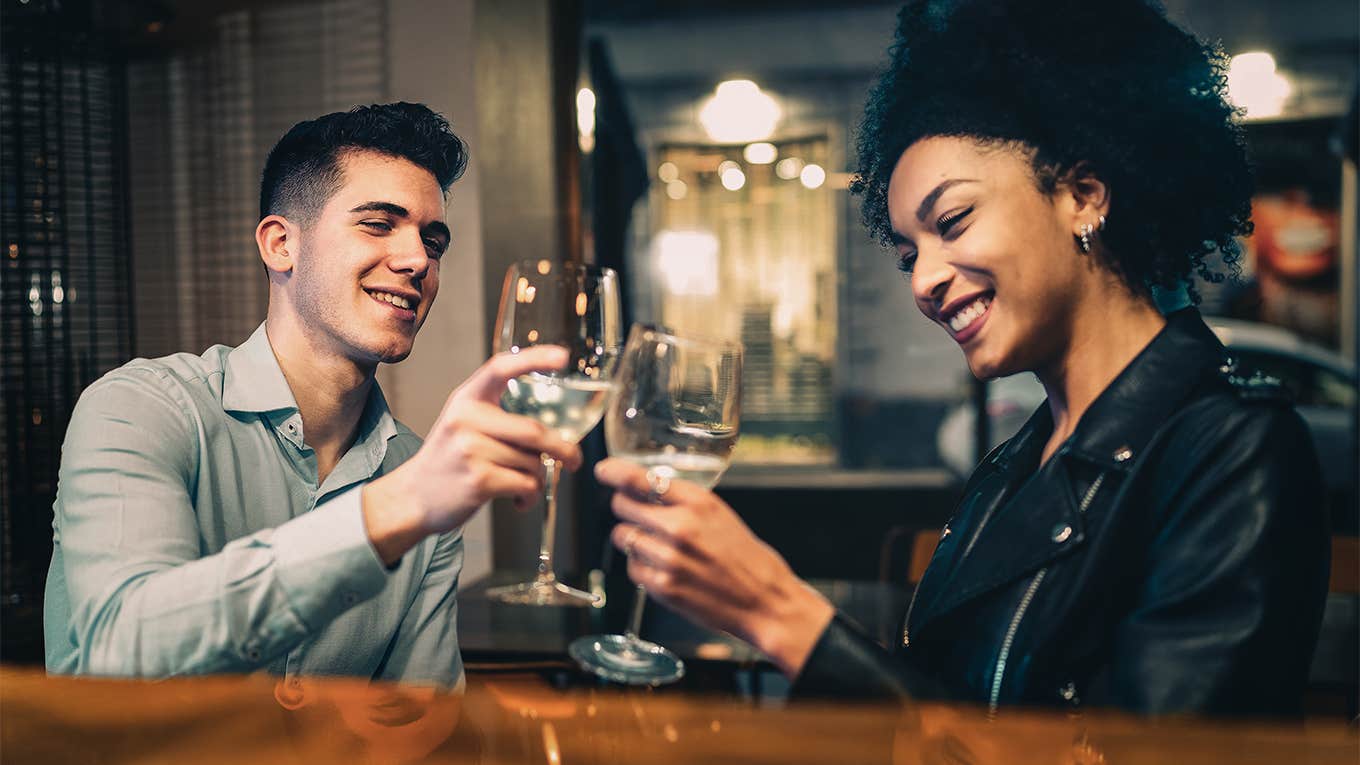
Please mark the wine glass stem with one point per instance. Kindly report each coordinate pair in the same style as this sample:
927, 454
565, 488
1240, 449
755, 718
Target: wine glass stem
635, 621
545, 549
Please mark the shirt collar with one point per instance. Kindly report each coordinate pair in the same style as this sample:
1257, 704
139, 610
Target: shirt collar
253, 381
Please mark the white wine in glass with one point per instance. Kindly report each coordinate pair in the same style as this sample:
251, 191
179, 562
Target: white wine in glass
576, 307
676, 411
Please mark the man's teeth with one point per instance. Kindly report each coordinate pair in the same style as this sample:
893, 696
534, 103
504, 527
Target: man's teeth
396, 300
964, 317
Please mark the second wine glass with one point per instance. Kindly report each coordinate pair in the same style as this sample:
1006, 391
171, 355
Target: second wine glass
577, 307
676, 411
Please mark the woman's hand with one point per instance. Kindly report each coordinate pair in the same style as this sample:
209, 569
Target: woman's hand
692, 553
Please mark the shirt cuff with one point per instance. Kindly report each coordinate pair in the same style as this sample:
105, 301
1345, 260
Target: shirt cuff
326, 562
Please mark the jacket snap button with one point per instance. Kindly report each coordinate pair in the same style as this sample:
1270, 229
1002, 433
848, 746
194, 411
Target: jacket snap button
1061, 532
1123, 454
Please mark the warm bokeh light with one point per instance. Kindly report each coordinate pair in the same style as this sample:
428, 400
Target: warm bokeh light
668, 172
812, 176
789, 168
677, 190
761, 153
1254, 85
733, 179
739, 112
585, 119
687, 261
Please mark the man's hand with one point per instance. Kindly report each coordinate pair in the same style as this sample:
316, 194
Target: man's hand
475, 452
692, 552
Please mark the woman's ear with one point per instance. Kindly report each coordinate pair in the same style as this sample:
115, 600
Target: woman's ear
276, 239
1090, 195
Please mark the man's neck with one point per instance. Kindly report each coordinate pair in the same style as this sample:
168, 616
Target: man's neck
1105, 337
330, 390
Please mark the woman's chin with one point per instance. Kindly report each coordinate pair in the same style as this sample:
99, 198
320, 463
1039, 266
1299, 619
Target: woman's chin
987, 367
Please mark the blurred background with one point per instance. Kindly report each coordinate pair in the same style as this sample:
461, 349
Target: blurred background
701, 148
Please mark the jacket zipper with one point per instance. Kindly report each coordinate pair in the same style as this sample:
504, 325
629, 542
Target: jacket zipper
999, 674
1010, 637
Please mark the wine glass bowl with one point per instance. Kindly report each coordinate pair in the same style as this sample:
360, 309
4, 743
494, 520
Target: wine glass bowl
576, 307
676, 411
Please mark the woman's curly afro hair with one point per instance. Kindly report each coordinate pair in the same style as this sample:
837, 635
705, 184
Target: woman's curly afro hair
1110, 87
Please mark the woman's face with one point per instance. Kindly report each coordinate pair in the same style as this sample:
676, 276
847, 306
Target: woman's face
992, 259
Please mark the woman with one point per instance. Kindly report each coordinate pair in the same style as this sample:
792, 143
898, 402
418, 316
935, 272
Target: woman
1153, 537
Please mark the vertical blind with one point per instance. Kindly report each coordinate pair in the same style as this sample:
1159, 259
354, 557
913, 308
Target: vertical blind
202, 121
64, 288
136, 178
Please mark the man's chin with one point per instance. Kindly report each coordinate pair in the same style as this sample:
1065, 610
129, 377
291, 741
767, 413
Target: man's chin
393, 356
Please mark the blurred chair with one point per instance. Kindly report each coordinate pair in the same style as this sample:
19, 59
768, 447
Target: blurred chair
1334, 678
1345, 577
905, 553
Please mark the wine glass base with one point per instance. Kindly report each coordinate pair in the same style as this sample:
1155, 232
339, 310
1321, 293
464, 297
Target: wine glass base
542, 593
624, 659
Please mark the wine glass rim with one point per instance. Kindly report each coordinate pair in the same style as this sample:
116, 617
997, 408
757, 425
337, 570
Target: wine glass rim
689, 338
532, 264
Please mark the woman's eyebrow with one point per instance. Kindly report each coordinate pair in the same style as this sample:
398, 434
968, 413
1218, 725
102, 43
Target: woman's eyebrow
934, 196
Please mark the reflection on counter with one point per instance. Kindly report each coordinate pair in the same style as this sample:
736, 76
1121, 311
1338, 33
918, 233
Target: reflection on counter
519, 718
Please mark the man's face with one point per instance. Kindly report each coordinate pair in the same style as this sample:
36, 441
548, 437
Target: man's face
367, 270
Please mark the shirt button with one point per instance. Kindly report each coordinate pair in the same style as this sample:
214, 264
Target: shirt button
253, 654
1061, 533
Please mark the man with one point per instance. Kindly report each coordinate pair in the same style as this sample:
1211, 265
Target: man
259, 507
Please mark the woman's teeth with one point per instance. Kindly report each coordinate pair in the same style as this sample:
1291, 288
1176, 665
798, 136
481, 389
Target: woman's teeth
968, 314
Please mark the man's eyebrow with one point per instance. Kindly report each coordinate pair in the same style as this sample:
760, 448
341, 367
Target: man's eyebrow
934, 196
385, 207
434, 227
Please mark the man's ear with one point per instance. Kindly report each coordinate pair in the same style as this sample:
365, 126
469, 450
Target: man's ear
276, 239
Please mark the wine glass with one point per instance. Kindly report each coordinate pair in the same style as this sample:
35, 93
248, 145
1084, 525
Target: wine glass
676, 410
577, 307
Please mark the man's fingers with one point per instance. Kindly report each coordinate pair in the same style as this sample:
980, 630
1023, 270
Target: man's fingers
505, 455
488, 382
500, 481
518, 431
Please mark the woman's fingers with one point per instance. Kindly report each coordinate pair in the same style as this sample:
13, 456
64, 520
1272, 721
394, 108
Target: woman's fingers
643, 483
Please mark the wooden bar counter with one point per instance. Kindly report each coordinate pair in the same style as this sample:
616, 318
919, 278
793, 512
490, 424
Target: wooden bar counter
520, 718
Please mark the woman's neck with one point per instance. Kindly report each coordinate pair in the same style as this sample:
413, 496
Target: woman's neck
1106, 333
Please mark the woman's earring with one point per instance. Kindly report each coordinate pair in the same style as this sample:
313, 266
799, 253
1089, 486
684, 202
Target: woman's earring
1084, 233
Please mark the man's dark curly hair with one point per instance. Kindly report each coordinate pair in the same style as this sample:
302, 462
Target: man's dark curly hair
1110, 87
303, 169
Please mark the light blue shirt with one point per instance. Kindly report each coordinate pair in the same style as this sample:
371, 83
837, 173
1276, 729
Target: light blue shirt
191, 536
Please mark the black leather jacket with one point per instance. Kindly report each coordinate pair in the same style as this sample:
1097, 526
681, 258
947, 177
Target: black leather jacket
1172, 556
